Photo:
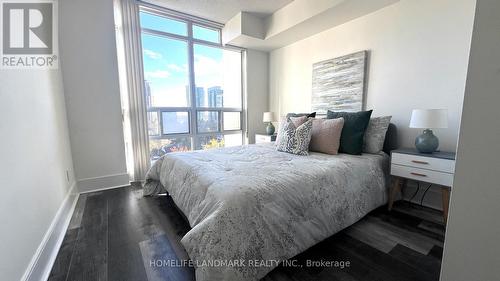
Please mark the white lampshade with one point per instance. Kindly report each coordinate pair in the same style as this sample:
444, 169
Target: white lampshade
429, 118
268, 117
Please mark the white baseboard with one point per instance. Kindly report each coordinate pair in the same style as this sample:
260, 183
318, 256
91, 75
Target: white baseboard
44, 257
105, 188
101, 183
46, 253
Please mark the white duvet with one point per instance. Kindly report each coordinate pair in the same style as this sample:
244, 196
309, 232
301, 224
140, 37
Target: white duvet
256, 205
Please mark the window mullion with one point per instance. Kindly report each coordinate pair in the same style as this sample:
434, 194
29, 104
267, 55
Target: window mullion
160, 122
192, 86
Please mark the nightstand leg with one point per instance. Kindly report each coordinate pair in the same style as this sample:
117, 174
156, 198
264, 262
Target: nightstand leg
395, 189
446, 201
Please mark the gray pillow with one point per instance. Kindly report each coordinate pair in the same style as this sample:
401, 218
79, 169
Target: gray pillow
294, 140
375, 134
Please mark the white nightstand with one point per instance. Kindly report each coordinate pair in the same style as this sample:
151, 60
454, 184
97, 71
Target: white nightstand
435, 168
264, 138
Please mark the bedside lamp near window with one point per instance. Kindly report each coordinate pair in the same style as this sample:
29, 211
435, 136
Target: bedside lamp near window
269, 118
428, 119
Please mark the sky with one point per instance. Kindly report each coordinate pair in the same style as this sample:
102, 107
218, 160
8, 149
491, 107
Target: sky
166, 63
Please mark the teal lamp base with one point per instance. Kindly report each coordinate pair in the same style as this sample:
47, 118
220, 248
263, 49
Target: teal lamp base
427, 142
270, 129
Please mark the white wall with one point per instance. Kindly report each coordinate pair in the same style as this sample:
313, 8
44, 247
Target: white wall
35, 155
472, 248
257, 65
89, 64
418, 59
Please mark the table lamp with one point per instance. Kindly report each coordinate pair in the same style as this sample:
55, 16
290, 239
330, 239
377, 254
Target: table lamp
269, 118
428, 119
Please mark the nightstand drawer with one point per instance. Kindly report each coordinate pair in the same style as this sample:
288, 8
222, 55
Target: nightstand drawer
429, 176
428, 163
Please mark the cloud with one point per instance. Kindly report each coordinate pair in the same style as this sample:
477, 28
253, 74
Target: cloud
206, 66
156, 74
177, 68
152, 54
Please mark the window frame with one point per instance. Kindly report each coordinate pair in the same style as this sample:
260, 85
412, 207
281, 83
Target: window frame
192, 109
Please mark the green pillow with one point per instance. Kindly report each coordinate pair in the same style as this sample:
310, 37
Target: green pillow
353, 133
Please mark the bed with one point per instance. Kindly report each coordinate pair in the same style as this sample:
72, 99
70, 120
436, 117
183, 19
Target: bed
251, 207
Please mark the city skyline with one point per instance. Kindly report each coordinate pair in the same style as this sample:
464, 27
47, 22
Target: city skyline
169, 73
178, 122
213, 97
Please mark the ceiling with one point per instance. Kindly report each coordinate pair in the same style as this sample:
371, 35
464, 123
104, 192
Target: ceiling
222, 10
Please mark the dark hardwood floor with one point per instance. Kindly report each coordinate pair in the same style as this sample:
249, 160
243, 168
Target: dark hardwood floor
115, 234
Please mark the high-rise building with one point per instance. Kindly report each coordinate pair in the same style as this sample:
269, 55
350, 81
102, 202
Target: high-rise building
215, 96
147, 94
201, 98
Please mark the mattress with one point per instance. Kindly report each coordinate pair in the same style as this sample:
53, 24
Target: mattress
258, 206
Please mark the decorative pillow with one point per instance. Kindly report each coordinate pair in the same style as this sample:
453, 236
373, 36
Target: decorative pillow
297, 121
295, 115
375, 134
294, 139
325, 136
353, 133
313, 114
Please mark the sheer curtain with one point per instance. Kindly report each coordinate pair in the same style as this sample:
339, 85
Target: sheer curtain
131, 88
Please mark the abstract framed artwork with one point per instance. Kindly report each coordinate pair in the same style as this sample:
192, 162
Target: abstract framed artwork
339, 84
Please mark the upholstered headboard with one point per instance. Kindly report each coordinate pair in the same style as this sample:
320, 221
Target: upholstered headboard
391, 139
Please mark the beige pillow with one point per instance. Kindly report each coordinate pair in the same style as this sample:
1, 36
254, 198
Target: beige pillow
325, 136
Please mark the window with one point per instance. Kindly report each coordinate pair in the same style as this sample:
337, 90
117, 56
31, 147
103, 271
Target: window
208, 121
192, 84
206, 34
175, 122
153, 22
232, 121
217, 76
165, 71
